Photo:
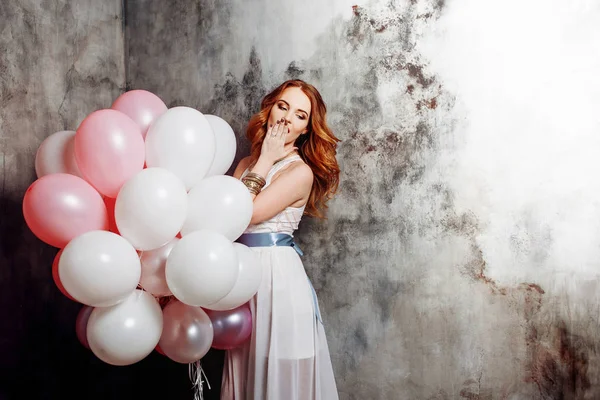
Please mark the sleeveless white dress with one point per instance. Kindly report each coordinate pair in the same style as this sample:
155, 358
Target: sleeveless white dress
287, 357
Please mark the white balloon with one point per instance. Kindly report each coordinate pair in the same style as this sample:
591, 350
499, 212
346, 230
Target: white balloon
221, 204
202, 268
151, 208
99, 268
182, 141
56, 154
248, 281
153, 278
127, 332
225, 145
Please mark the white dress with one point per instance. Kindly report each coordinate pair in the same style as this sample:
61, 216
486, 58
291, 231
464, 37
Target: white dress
287, 357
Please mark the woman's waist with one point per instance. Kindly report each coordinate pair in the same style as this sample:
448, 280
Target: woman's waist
287, 229
269, 239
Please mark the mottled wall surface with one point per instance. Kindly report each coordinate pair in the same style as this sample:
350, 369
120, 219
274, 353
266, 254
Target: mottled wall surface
460, 258
59, 61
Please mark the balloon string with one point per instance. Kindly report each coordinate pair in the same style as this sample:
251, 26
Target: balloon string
195, 373
205, 377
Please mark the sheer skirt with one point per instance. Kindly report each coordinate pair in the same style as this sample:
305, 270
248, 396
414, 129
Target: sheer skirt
288, 356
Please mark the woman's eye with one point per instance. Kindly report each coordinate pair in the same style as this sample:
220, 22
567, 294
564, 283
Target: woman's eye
282, 108
301, 117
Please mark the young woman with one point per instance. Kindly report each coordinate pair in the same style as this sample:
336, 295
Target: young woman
291, 171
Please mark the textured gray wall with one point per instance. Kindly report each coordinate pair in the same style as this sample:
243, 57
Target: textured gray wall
460, 258
60, 61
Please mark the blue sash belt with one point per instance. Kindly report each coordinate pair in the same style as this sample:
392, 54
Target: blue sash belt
278, 239
268, 240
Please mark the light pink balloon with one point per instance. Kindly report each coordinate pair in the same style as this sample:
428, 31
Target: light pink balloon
56, 154
109, 149
141, 106
59, 207
154, 261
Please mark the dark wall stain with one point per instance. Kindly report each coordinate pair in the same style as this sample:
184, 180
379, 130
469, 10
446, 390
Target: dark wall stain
386, 289
171, 48
440, 395
236, 101
472, 390
375, 162
559, 362
557, 359
294, 71
430, 103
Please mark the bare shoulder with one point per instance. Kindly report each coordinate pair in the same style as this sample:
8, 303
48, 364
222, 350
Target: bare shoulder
241, 167
302, 170
298, 171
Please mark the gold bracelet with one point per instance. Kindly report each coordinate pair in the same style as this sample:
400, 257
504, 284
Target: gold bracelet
259, 182
253, 190
253, 186
257, 177
252, 183
254, 180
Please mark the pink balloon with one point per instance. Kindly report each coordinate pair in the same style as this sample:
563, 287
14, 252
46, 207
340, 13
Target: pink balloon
56, 154
159, 350
109, 149
56, 277
59, 207
141, 106
83, 316
110, 209
231, 328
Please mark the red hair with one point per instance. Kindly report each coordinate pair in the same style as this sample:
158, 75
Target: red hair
317, 147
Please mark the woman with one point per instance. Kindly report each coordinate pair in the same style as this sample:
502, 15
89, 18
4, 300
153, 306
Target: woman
291, 171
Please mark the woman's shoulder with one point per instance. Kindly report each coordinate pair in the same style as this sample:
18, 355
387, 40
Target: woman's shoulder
301, 167
298, 169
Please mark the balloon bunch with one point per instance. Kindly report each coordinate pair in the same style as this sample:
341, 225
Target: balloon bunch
137, 202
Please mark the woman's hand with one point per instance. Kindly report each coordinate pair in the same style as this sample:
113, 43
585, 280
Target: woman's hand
273, 147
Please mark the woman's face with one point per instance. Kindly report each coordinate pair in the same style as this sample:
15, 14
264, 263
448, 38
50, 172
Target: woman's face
294, 107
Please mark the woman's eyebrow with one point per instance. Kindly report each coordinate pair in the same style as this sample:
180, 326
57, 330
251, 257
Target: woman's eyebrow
288, 104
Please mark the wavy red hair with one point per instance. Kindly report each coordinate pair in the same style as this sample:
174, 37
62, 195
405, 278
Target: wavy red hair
317, 148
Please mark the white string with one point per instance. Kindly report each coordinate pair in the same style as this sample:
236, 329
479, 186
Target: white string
196, 373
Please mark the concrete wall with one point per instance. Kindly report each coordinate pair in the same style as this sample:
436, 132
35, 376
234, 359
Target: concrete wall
460, 258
